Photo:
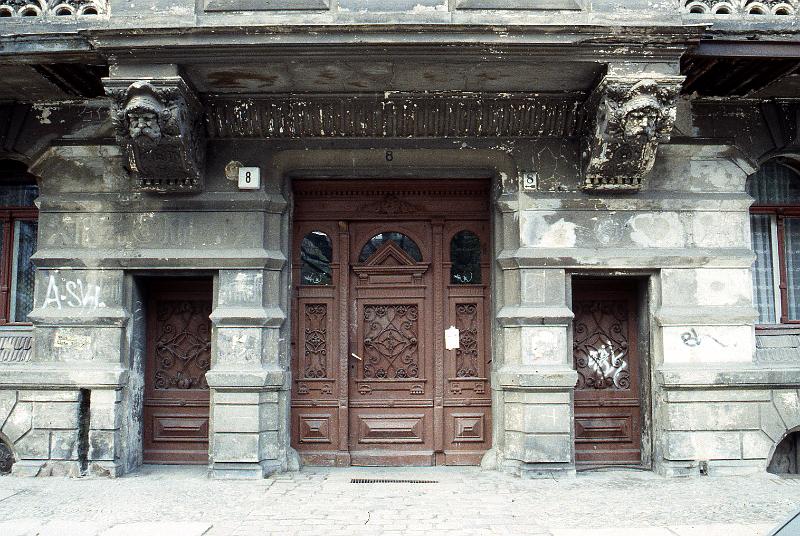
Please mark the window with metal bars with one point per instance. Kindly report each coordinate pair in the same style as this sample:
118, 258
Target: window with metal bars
775, 233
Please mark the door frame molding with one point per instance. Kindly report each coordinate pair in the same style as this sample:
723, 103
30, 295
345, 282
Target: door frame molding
487, 184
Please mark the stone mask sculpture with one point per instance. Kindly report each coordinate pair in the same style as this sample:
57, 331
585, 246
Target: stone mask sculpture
632, 118
159, 125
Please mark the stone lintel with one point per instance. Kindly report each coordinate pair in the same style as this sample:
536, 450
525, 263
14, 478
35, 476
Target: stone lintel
731, 377
266, 379
50, 376
721, 315
233, 316
525, 315
624, 258
555, 377
223, 258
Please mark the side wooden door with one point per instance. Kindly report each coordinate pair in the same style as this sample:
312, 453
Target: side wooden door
176, 397
608, 414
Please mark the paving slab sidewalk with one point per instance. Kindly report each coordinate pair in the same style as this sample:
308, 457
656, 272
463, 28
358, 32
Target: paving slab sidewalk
182, 501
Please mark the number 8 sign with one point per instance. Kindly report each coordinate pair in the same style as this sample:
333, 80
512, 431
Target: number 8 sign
249, 178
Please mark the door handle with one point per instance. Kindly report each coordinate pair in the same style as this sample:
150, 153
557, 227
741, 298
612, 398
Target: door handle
354, 355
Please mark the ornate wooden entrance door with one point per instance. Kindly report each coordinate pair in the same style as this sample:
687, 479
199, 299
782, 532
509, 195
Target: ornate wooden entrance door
176, 401
608, 420
391, 337
381, 269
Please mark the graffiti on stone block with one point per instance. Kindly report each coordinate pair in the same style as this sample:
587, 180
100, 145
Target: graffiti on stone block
73, 293
692, 338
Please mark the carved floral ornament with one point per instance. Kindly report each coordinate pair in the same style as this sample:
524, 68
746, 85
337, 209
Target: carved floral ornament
159, 125
778, 8
633, 116
57, 8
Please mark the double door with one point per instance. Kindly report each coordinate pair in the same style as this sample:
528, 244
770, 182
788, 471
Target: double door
375, 382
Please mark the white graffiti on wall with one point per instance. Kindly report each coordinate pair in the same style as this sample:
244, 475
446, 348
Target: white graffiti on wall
73, 294
607, 364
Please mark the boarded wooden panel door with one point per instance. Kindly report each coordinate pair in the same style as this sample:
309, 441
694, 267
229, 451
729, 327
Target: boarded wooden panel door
608, 417
176, 402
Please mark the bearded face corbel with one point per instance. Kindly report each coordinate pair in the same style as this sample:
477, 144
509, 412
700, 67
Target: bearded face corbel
144, 116
159, 125
632, 119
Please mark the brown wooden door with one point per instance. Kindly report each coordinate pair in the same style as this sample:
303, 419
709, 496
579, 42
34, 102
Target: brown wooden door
375, 288
176, 401
608, 420
391, 338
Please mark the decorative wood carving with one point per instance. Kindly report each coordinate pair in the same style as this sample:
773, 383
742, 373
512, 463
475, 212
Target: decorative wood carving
389, 204
315, 343
633, 115
467, 351
159, 125
183, 345
390, 341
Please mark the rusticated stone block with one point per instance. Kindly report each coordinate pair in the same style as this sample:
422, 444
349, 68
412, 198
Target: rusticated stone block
102, 445
7, 401
234, 418
55, 415
787, 403
702, 446
64, 445
551, 418
548, 448
756, 445
19, 422
269, 448
713, 416
236, 447
35, 445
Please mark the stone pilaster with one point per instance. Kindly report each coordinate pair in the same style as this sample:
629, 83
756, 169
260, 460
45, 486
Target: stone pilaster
248, 377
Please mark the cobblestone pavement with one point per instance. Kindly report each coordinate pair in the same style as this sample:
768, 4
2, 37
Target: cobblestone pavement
180, 501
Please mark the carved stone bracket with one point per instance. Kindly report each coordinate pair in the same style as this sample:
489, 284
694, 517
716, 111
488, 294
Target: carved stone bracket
160, 127
633, 115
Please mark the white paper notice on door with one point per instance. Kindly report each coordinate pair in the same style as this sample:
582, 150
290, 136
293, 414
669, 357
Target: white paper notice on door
451, 338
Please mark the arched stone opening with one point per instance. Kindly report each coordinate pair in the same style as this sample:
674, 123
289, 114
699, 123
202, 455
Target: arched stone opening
784, 460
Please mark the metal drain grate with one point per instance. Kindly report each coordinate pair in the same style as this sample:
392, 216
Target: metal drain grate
390, 481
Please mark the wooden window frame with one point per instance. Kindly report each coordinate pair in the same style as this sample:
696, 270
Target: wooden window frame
8, 216
780, 212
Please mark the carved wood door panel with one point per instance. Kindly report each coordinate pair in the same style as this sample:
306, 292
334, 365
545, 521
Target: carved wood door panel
376, 285
176, 397
608, 420
391, 365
